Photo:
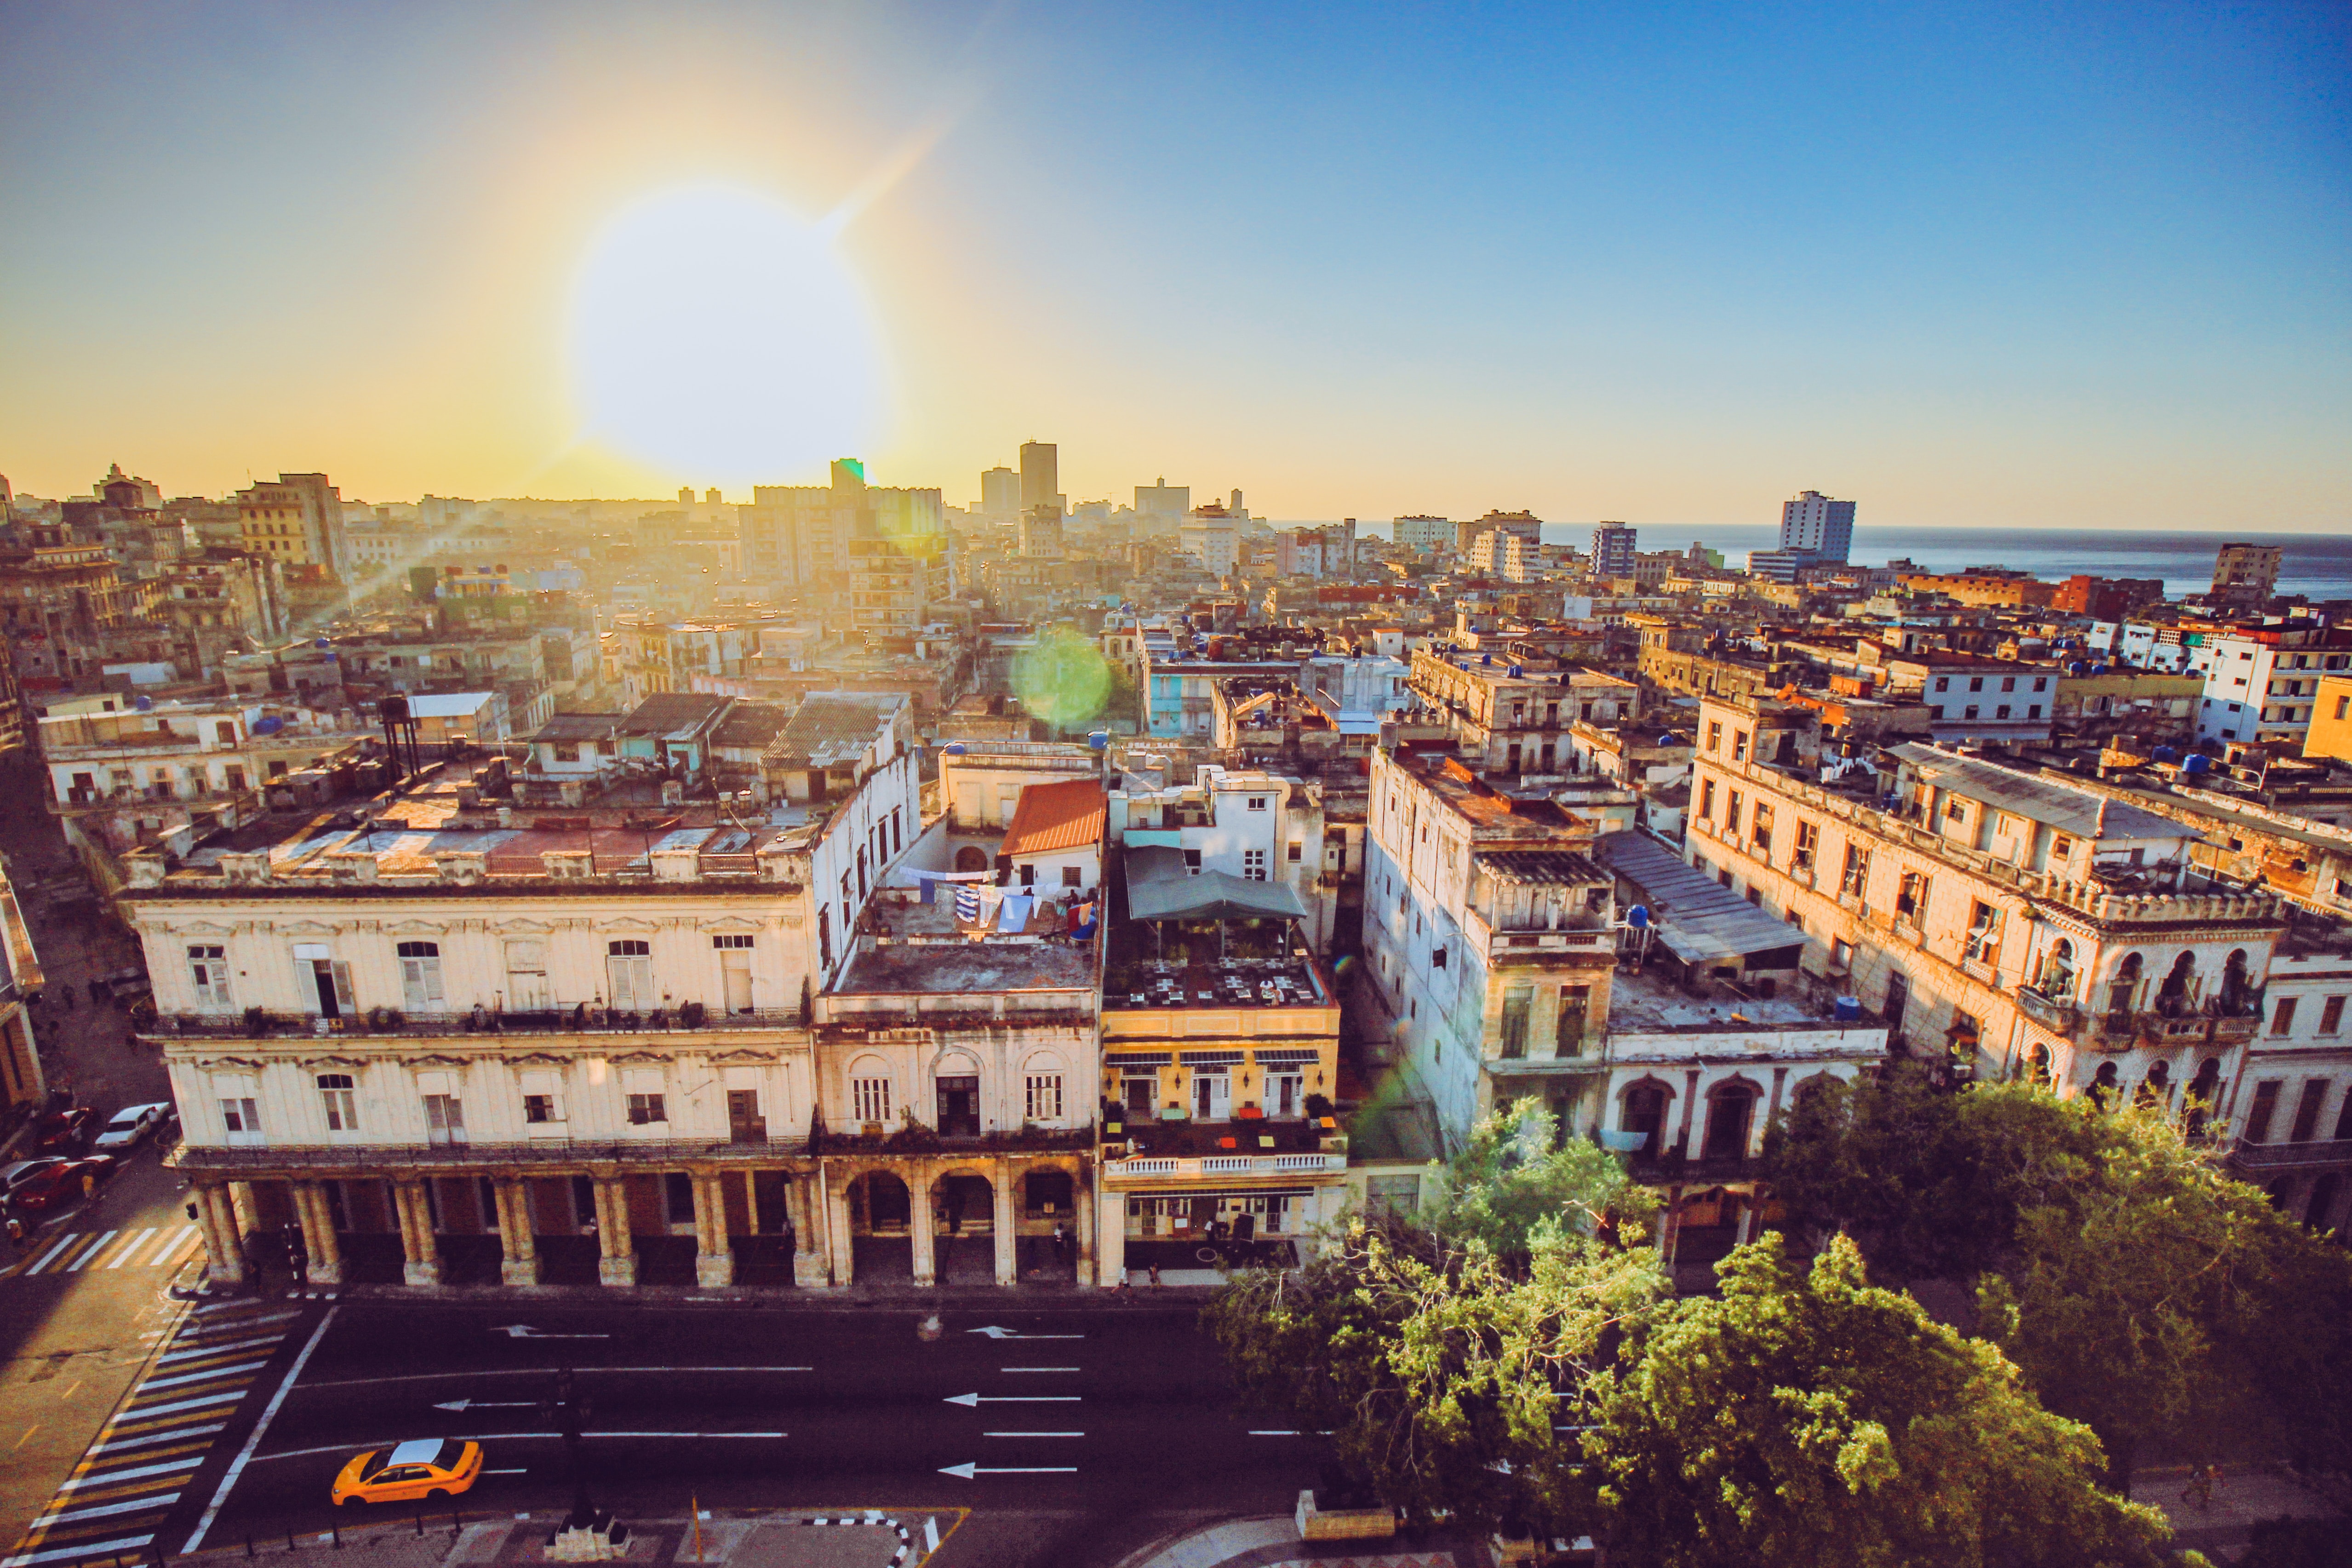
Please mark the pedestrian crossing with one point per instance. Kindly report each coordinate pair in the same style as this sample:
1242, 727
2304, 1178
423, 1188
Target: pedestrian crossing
80, 1251
141, 1461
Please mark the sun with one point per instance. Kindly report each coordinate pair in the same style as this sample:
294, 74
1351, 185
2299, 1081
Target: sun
722, 337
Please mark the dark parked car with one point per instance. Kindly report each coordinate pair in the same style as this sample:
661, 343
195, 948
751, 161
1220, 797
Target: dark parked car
60, 1185
66, 1132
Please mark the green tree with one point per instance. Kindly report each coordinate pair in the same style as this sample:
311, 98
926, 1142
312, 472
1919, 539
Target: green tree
1438, 1354
1808, 1418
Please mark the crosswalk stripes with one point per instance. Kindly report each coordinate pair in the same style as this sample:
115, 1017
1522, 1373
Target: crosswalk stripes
140, 1463
78, 1250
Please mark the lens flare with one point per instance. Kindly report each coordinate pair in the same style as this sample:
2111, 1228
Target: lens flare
722, 337
1065, 679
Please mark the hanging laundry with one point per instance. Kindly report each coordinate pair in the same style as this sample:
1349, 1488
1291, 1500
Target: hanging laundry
1015, 914
967, 903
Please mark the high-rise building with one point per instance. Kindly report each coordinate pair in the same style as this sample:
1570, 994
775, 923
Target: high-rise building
1041, 479
1420, 532
1613, 549
1160, 498
1041, 531
298, 520
1000, 494
1815, 522
2246, 575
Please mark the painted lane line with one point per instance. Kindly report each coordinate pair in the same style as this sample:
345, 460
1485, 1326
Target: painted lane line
96, 1247
130, 1249
525, 1332
208, 1374
1032, 1434
971, 1468
533, 1372
105, 1511
221, 1327
261, 1429
994, 1332
1037, 1369
969, 1400
498, 1437
462, 1405
172, 1244
42, 1262
85, 1548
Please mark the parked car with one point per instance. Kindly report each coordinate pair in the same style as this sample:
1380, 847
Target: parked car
131, 1125
410, 1472
66, 1132
57, 1186
16, 1175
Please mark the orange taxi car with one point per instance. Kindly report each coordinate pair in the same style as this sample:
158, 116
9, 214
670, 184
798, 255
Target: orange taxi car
410, 1472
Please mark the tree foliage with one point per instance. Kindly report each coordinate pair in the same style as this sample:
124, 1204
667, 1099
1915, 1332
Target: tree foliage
1437, 1353
1809, 1418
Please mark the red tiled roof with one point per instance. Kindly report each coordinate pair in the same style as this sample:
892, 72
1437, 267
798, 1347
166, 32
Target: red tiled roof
1066, 815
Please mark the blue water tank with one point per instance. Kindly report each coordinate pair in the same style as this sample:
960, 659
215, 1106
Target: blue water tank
2166, 754
1486, 658
2077, 667
322, 642
1516, 672
1847, 1009
2098, 670
1098, 739
1638, 917
952, 749
269, 726
143, 703
2198, 763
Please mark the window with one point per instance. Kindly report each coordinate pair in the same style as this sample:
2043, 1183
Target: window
1297, 852
2061, 847
647, 1108
1739, 745
445, 1120
541, 1105
209, 972
343, 1107
1714, 735
567, 751
1976, 683
1257, 802
2258, 1115
1809, 838
2283, 1016
1192, 862
1856, 878
420, 976
1911, 898
2002, 711
1955, 813
1943, 683
1761, 829
1515, 1002
1706, 800
629, 965
1044, 1096
241, 1119
870, 1099
2331, 1015
1731, 812
1983, 943
1841, 955
1970, 711
2009, 683
1254, 865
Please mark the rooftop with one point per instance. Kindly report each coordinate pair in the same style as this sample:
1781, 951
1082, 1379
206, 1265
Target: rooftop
1067, 814
2044, 800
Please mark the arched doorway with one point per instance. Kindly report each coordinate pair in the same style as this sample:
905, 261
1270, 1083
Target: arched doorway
2103, 1084
879, 1209
2319, 1209
2204, 1089
2172, 998
971, 857
2237, 987
1643, 1111
1731, 1113
2155, 1089
963, 1228
2123, 991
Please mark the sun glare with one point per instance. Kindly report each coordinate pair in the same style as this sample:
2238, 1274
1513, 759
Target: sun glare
721, 336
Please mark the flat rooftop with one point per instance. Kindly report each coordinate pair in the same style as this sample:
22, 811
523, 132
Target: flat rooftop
1652, 1003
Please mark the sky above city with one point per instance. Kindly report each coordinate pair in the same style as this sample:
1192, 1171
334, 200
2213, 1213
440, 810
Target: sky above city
2018, 267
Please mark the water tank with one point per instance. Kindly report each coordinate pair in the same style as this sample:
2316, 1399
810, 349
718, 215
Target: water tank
268, 726
1638, 917
2166, 754
1486, 658
2098, 670
2198, 763
952, 749
1847, 1009
1098, 739
1517, 671
322, 642
2077, 667
142, 704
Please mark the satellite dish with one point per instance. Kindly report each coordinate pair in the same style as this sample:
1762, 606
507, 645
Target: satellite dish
1638, 917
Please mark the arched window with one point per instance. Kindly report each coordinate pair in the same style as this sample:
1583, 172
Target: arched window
1730, 1111
870, 1100
2155, 1089
2174, 996
2204, 1093
2237, 988
2037, 1064
2058, 971
957, 1089
1643, 1111
2124, 990
2103, 1084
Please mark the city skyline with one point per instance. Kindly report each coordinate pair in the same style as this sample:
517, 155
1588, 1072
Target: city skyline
1666, 272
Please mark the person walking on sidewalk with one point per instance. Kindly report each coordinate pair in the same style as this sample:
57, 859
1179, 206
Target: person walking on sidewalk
2203, 1480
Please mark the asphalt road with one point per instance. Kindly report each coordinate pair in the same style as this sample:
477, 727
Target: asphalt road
1100, 1430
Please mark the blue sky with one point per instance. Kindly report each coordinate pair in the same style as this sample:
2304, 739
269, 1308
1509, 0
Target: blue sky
2011, 266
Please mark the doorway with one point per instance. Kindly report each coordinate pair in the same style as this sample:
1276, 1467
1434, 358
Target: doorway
959, 1107
1213, 1095
744, 1122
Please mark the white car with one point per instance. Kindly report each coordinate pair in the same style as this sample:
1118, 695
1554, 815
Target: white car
131, 1125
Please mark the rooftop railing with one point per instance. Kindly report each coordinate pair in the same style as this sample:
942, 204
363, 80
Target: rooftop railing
584, 1018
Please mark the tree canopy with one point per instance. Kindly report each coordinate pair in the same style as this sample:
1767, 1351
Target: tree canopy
1809, 1418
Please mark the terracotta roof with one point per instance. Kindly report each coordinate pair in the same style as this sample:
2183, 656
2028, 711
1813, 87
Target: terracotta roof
1065, 815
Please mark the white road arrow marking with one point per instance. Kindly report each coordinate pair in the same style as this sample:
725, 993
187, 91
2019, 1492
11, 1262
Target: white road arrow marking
972, 1399
971, 1468
994, 1333
525, 1332
1036, 1369
462, 1405
1032, 1434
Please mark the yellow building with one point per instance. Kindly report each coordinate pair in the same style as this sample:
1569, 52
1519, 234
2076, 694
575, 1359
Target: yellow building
2330, 734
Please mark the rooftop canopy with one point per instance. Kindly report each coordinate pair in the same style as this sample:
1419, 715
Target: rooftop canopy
1160, 888
1700, 921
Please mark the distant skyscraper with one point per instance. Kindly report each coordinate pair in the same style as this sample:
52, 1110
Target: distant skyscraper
1160, 498
1613, 549
1000, 494
2246, 575
1041, 478
1813, 521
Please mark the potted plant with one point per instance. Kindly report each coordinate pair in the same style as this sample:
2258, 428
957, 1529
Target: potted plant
256, 1022
692, 1015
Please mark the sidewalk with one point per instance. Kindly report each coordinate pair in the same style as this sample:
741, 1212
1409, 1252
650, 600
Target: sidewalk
1272, 1542
2243, 1499
866, 1538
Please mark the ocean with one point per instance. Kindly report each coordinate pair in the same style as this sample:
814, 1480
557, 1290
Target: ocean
2317, 564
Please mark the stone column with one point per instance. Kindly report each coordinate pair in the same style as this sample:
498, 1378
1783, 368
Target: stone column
808, 1230
1082, 1198
318, 1220
843, 1259
419, 1247
1110, 1243
223, 1244
517, 1246
714, 1260
1008, 1220
922, 1222
618, 1265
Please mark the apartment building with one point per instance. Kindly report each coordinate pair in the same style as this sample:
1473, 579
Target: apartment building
461, 1039
2016, 921
24, 1091
2261, 683
1976, 699
298, 520
1516, 717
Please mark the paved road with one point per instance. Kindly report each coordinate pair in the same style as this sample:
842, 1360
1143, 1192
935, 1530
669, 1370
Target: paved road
1093, 1433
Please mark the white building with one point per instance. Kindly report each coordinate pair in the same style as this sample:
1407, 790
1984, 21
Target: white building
2263, 686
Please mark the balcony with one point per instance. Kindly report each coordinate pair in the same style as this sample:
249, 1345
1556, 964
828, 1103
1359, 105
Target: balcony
391, 1023
2313, 1154
2059, 1014
345, 1158
1215, 1167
